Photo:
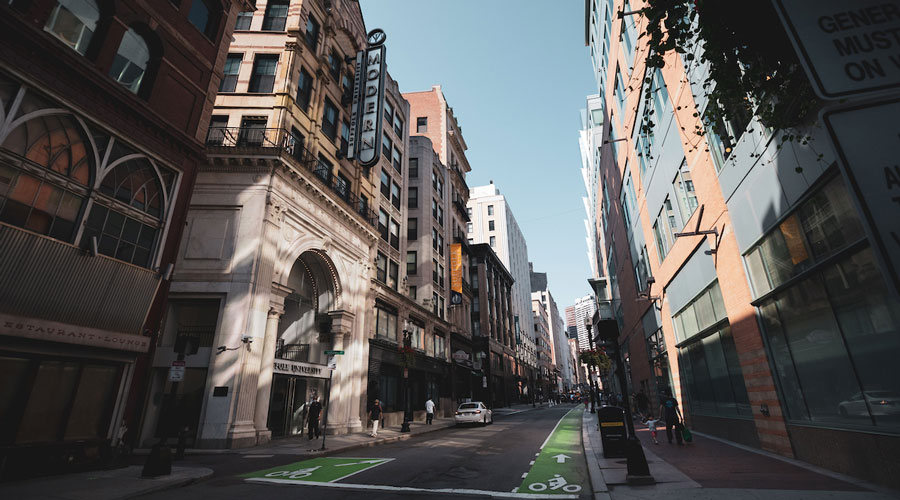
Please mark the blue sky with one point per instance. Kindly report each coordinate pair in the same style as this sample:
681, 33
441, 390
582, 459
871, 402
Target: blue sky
516, 73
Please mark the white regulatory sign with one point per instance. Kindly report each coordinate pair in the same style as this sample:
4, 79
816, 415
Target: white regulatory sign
847, 48
176, 371
867, 138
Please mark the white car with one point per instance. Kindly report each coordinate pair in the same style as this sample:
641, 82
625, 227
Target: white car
474, 413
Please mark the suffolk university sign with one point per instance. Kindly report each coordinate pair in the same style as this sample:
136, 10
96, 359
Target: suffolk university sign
368, 101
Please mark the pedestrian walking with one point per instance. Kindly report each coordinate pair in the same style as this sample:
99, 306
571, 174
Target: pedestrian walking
375, 416
651, 425
429, 411
312, 417
668, 408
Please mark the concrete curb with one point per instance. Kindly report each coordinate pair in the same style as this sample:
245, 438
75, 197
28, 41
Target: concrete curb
203, 473
599, 489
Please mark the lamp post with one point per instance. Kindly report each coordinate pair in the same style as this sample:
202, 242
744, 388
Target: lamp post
407, 409
591, 378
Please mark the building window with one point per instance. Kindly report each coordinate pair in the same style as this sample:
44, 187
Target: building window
395, 234
413, 200
490, 209
312, 33
469, 213
712, 374
330, 119
232, 68
204, 18
664, 229
441, 245
345, 137
383, 224
413, 168
385, 323
393, 274
398, 125
412, 263
334, 64
386, 145
490, 225
422, 125
493, 241
469, 227
434, 239
395, 195
304, 89
244, 20
385, 184
684, 186
723, 134
217, 129
130, 62
262, 80
434, 275
388, 112
440, 215
412, 292
74, 23
276, 15
412, 229
381, 267
397, 160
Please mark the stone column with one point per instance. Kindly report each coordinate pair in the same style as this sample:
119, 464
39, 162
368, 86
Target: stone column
340, 397
264, 381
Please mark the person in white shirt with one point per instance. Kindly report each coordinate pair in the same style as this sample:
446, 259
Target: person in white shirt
429, 411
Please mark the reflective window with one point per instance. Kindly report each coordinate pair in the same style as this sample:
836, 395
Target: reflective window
385, 322
230, 77
330, 119
204, 18
262, 80
312, 33
244, 19
74, 22
712, 374
276, 15
131, 60
304, 89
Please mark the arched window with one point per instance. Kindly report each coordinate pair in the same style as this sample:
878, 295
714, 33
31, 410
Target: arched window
74, 22
121, 232
49, 200
131, 61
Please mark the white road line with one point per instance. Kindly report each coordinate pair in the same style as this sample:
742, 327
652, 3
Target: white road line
450, 491
554, 429
386, 460
531, 463
524, 475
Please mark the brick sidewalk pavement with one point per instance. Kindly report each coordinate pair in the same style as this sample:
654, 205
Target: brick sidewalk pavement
714, 464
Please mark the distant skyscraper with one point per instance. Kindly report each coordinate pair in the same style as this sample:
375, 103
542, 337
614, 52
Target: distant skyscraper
584, 310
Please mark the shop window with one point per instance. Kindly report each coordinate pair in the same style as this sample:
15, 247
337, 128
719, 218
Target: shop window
712, 374
276, 15
131, 60
74, 23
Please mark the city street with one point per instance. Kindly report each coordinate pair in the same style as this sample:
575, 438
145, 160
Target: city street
505, 457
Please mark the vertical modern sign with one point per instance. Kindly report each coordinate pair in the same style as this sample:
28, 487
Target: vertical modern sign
369, 100
456, 274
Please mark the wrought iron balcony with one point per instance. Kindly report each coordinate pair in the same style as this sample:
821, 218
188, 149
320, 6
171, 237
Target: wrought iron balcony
461, 208
291, 352
284, 142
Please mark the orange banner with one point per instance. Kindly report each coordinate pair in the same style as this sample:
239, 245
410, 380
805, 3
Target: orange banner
456, 267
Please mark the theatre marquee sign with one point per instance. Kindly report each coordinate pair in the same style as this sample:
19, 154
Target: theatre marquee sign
368, 101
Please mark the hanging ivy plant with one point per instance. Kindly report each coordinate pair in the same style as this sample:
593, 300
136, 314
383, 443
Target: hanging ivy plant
753, 69
595, 358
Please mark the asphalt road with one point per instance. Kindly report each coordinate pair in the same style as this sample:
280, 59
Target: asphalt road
465, 462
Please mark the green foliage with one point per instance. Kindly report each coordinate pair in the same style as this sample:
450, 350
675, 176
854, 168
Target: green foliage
595, 358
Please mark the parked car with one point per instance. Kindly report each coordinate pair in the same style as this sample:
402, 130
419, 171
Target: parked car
474, 413
881, 402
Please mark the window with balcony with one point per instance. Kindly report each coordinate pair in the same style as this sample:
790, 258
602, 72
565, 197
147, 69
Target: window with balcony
330, 119
131, 60
343, 186
276, 15
262, 80
304, 89
74, 23
312, 33
232, 68
218, 125
413, 200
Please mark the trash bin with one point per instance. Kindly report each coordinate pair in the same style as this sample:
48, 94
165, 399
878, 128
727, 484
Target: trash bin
613, 432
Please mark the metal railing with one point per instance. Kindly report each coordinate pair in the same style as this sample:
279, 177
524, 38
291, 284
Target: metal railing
291, 352
284, 141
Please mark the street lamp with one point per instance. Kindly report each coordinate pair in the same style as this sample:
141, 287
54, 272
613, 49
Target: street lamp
407, 408
592, 379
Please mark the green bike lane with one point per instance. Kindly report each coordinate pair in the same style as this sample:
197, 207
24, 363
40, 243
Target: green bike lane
560, 467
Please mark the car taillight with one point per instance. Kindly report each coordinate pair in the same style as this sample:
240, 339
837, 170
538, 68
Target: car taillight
477, 411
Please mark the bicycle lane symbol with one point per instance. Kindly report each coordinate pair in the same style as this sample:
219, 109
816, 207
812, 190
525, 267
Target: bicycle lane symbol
559, 468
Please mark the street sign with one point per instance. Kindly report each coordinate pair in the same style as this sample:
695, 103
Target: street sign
332, 362
331, 353
846, 48
318, 470
866, 138
176, 371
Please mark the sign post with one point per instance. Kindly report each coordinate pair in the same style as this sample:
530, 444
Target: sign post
176, 371
332, 365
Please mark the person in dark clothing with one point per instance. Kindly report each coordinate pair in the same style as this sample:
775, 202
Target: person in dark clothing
668, 408
312, 418
375, 415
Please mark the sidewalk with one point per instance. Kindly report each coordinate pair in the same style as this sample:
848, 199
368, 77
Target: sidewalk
713, 468
128, 483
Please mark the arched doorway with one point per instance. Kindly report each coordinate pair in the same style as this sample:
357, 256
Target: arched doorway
302, 341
